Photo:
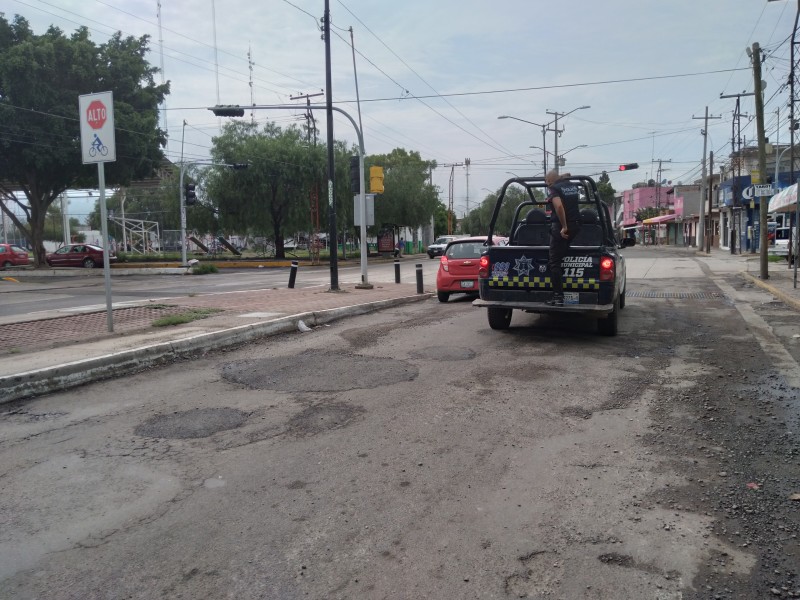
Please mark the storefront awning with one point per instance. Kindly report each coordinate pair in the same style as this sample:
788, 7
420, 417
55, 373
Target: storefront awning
784, 201
659, 219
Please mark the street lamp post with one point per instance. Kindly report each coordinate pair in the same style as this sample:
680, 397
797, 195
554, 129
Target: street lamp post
558, 159
777, 164
544, 135
557, 132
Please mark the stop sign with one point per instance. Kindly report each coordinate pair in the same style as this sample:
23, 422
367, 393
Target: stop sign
96, 114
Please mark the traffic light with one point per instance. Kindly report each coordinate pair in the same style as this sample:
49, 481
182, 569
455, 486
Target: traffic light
355, 175
629, 167
376, 180
190, 196
228, 111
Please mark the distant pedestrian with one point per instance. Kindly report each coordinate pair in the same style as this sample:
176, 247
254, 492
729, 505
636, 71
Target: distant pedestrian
398, 249
563, 196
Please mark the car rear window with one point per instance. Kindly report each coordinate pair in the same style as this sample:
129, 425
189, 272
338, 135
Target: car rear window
465, 250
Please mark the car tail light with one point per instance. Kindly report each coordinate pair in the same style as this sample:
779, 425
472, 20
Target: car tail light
606, 269
445, 266
483, 267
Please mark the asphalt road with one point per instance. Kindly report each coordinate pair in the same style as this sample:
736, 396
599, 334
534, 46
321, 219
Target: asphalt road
416, 453
34, 296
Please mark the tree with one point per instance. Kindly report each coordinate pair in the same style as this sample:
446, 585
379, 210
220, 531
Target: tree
54, 224
273, 192
478, 220
605, 189
409, 199
41, 77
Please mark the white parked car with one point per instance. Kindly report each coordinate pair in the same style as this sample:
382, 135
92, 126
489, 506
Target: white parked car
438, 246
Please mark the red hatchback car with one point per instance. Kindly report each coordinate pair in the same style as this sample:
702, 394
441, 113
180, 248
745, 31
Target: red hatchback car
78, 255
458, 267
13, 256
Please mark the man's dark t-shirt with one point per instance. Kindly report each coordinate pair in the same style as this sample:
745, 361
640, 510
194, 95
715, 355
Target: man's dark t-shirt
570, 196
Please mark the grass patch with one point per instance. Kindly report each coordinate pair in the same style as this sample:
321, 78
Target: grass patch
204, 269
193, 314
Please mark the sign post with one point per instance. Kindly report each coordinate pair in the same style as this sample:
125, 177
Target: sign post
98, 145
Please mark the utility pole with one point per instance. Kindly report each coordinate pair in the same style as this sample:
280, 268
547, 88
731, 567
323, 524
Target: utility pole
450, 206
736, 171
658, 181
710, 233
557, 133
309, 115
332, 241
794, 248
701, 230
252, 94
466, 164
762, 161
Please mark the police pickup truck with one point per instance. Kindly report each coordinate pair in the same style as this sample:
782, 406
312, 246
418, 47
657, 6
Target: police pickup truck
516, 276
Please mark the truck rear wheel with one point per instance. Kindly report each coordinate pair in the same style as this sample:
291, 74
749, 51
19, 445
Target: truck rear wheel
499, 318
608, 326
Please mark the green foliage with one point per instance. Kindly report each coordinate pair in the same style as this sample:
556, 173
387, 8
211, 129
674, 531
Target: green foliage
647, 212
41, 77
408, 199
204, 268
54, 225
440, 220
272, 194
185, 317
605, 189
477, 221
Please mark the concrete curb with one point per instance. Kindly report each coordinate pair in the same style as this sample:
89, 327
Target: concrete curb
68, 375
785, 298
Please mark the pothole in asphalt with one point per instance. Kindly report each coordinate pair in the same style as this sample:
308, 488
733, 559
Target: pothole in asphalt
323, 417
318, 372
444, 353
577, 411
197, 423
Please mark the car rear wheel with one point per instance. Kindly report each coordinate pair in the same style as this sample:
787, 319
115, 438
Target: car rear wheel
499, 318
88, 263
443, 296
609, 325
6, 264
622, 300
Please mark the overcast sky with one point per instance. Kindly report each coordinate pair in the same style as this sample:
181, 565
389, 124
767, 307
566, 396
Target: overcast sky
434, 76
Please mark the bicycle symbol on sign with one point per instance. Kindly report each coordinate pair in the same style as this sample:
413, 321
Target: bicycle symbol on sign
97, 146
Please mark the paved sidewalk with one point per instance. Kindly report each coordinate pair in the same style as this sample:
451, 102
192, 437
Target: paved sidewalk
53, 353
50, 354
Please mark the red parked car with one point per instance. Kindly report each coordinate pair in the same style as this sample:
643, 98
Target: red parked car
458, 267
13, 256
78, 255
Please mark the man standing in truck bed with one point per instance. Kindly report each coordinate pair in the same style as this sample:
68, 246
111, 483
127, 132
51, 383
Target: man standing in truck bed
563, 196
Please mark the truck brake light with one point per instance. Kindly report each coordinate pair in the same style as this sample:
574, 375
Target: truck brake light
483, 267
606, 269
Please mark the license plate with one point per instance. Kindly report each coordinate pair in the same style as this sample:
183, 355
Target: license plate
467, 284
572, 298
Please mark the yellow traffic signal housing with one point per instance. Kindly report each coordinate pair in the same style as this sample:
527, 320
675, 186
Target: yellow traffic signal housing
376, 180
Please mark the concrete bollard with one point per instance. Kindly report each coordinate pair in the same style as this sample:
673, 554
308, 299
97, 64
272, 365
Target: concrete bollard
292, 274
397, 270
420, 290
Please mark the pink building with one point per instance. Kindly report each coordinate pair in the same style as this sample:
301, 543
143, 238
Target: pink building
643, 197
